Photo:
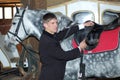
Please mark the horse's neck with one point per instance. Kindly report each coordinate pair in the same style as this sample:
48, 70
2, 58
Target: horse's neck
33, 22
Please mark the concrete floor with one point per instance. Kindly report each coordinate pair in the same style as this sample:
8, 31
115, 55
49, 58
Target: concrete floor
14, 77
17, 76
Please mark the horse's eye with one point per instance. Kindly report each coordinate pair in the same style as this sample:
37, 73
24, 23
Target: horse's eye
13, 23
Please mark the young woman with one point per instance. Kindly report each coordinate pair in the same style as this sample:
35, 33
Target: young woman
52, 56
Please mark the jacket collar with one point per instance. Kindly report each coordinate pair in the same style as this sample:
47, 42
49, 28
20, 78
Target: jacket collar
48, 34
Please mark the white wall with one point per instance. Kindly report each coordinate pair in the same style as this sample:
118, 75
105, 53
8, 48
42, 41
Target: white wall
97, 8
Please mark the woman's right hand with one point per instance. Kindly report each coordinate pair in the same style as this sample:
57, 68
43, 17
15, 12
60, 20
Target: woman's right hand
88, 23
82, 45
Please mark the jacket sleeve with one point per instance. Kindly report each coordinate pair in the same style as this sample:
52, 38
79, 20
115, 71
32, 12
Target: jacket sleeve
66, 33
60, 54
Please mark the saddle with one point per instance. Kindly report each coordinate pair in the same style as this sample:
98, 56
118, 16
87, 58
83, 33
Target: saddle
99, 38
108, 41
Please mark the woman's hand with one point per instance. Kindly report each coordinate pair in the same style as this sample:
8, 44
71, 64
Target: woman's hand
82, 45
88, 23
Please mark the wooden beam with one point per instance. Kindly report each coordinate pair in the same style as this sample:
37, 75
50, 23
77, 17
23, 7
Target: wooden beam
9, 1
10, 5
42, 4
35, 4
55, 2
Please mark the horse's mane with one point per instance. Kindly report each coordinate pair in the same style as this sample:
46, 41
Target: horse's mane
35, 16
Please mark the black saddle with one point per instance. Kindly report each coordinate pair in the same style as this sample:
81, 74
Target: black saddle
92, 34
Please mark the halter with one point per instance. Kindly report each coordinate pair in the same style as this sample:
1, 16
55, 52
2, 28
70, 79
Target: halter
18, 26
16, 33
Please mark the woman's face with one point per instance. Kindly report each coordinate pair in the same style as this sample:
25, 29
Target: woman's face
51, 26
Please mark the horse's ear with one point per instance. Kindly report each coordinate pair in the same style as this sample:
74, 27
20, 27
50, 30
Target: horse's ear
26, 8
17, 10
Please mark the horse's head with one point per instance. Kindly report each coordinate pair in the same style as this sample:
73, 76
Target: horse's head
18, 30
24, 24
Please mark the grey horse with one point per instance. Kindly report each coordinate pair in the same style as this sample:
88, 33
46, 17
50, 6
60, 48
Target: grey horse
105, 64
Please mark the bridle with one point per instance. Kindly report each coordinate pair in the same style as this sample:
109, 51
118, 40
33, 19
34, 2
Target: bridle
16, 32
18, 26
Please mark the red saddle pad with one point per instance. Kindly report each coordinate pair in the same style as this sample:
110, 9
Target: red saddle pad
108, 41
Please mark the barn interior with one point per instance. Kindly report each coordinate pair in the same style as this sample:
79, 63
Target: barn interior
5, 24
